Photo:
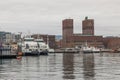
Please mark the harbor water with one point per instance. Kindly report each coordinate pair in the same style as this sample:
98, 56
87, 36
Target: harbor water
62, 66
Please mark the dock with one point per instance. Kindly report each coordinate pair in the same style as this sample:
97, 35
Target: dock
65, 51
8, 56
7, 53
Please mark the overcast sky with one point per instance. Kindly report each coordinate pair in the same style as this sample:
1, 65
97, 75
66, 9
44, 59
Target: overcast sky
45, 16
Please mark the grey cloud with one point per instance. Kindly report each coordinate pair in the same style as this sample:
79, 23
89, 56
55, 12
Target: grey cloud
45, 16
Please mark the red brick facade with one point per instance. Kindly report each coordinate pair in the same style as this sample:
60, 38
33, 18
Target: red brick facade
88, 26
67, 27
96, 41
73, 40
112, 42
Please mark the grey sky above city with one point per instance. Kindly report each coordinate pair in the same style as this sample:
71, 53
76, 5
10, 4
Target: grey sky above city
45, 16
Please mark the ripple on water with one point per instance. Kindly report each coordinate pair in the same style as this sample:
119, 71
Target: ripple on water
62, 67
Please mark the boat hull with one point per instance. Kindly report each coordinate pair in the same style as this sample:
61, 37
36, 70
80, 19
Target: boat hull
91, 51
44, 53
34, 53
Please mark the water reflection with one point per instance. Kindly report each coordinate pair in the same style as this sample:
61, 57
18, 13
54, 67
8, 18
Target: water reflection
5, 61
68, 66
62, 66
88, 64
1, 61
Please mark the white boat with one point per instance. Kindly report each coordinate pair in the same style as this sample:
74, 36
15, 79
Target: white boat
43, 48
95, 50
34, 46
51, 50
29, 46
86, 49
90, 49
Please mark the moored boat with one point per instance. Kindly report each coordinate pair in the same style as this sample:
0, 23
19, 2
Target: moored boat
90, 49
28, 46
43, 48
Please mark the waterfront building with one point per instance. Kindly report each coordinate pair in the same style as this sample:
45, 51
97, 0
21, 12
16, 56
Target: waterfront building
17, 37
112, 42
67, 32
2, 36
58, 40
8, 37
71, 39
88, 26
80, 40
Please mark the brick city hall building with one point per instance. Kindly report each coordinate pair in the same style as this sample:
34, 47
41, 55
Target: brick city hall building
76, 40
